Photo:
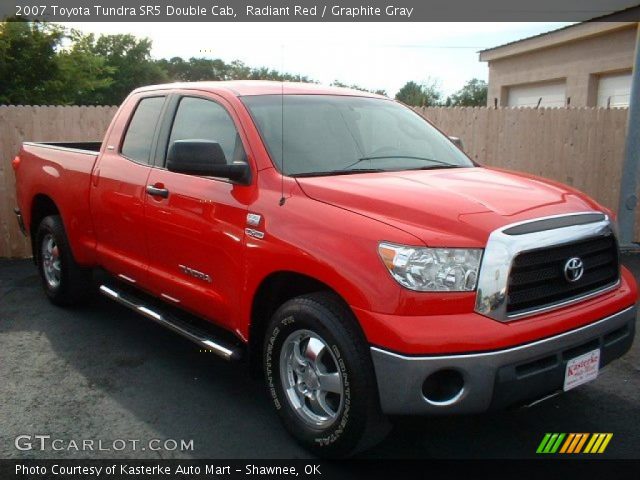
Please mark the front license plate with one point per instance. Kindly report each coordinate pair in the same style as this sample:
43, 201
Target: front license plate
582, 369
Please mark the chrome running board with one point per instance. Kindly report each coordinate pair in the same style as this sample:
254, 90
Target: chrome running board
204, 339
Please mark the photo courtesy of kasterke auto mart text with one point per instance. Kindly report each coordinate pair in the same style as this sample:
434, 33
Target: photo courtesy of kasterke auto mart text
338, 243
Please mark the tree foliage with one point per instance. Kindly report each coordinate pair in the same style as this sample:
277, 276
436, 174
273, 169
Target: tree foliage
199, 69
82, 68
43, 63
425, 94
29, 67
338, 83
473, 94
129, 60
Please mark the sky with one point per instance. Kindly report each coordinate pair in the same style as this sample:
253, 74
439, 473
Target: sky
371, 55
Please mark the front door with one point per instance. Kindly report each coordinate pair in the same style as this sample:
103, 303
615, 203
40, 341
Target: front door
195, 225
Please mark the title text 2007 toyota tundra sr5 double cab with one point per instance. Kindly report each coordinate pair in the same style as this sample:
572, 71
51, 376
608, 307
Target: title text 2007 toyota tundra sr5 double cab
340, 243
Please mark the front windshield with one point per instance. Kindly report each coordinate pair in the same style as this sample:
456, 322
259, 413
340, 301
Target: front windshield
331, 134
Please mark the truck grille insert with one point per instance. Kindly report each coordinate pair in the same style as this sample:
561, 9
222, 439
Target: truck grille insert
537, 278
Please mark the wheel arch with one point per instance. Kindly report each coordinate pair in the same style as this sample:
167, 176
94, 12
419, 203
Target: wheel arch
42, 206
273, 291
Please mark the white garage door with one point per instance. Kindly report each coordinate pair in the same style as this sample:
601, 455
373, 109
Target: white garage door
548, 94
614, 90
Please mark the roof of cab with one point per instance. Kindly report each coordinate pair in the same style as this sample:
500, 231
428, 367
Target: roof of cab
241, 88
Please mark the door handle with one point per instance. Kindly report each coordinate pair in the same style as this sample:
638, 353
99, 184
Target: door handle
157, 191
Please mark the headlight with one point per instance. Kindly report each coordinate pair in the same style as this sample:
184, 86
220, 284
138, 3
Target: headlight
432, 269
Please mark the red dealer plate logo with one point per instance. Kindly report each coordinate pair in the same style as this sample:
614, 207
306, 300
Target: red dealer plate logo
582, 369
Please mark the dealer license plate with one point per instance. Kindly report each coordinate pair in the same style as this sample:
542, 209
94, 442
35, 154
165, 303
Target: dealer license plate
582, 369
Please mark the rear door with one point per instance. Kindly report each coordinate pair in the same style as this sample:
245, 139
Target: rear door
118, 190
195, 229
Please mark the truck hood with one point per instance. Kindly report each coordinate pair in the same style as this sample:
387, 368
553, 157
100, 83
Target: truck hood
447, 207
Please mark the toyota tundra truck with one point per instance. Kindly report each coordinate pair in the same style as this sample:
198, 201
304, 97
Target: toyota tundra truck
338, 242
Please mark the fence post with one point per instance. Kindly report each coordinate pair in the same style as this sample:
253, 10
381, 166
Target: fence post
630, 168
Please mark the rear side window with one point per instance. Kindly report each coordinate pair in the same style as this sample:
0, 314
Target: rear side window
139, 137
200, 119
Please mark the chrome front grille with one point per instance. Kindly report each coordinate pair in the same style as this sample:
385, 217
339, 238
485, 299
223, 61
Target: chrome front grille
537, 277
523, 266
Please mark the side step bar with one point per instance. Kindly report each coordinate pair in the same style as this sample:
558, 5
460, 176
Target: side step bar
194, 334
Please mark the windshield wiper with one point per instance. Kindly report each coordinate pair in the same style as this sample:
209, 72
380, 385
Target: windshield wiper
339, 172
434, 167
424, 159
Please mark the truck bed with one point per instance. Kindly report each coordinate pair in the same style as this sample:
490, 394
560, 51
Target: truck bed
87, 147
60, 171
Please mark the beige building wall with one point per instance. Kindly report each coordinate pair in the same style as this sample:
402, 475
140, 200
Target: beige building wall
579, 62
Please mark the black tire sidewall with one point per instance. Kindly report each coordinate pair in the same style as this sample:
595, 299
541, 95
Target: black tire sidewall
70, 288
342, 437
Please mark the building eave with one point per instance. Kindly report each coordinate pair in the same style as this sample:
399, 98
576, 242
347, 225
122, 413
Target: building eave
554, 38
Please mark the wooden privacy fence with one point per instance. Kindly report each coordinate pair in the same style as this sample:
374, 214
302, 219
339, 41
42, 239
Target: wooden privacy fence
38, 123
582, 147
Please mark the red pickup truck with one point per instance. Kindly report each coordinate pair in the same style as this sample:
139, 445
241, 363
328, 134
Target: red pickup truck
338, 242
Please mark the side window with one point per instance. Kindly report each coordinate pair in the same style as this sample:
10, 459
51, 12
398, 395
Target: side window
200, 119
139, 137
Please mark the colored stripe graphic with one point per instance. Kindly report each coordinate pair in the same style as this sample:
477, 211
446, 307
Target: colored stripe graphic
574, 443
598, 442
596, 446
592, 440
550, 443
608, 438
543, 443
555, 447
577, 438
567, 443
581, 442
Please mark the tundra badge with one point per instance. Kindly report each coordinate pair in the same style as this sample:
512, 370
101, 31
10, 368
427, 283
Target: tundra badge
195, 273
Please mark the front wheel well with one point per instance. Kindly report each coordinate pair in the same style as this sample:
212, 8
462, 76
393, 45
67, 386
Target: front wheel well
41, 207
275, 290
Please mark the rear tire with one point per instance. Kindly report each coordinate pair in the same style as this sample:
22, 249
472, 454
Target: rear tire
320, 376
64, 281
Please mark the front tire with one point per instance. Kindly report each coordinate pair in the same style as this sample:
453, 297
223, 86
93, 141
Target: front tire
320, 376
64, 281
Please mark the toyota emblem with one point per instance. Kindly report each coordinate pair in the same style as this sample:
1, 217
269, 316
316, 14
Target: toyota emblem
573, 269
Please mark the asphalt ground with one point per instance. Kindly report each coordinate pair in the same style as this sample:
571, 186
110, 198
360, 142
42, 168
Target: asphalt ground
101, 372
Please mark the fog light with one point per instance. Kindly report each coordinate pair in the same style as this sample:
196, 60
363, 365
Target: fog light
443, 387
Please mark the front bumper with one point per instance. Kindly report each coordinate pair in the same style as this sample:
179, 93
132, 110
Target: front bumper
498, 378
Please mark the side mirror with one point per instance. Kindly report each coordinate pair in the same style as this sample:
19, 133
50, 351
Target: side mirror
205, 158
457, 141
